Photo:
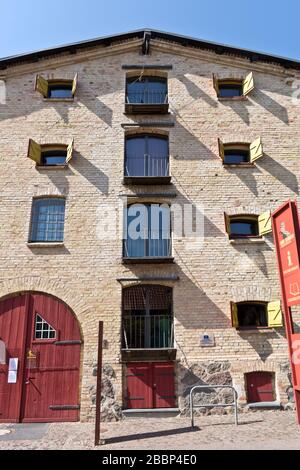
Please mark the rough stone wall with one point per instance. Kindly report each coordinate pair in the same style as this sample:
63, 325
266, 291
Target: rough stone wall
83, 272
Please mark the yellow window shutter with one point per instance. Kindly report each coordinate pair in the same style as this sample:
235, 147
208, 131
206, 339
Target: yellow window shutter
221, 150
74, 84
216, 83
265, 223
41, 85
274, 314
234, 315
227, 222
248, 84
70, 151
34, 152
256, 150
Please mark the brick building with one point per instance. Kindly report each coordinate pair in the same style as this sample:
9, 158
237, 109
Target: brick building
87, 131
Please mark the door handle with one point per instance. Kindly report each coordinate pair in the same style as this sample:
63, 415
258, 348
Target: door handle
28, 380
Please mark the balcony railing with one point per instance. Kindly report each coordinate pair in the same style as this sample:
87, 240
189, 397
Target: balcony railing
155, 243
147, 97
147, 165
148, 332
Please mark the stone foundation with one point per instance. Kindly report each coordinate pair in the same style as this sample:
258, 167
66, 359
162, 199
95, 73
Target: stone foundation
224, 373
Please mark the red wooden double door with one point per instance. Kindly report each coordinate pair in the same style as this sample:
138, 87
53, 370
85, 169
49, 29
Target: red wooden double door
40, 365
150, 385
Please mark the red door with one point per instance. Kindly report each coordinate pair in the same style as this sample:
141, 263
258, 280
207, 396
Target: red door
163, 385
43, 334
150, 385
260, 387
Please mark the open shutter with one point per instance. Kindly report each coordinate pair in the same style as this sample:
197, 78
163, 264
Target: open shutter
274, 314
227, 223
74, 84
41, 85
216, 83
34, 152
256, 150
234, 315
221, 150
70, 151
265, 223
248, 84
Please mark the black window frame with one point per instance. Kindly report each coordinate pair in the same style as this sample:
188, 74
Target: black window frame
260, 304
147, 79
49, 153
147, 250
245, 219
54, 85
235, 149
230, 84
33, 229
146, 135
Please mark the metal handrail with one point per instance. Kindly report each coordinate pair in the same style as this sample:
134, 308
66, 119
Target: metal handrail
201, 387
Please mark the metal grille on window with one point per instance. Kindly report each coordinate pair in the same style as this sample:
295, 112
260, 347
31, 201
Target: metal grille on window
47, 223
42, 329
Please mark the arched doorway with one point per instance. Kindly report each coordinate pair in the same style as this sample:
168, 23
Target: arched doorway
39, 381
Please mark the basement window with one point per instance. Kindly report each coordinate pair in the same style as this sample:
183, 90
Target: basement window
231, 88
248, 226
236, 153
248, 315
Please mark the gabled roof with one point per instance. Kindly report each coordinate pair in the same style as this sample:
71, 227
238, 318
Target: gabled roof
186, 41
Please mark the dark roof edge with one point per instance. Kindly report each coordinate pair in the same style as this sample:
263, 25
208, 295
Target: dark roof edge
253, 56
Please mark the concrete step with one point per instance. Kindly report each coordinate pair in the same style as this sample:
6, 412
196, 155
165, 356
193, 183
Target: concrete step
151, 413
264, 405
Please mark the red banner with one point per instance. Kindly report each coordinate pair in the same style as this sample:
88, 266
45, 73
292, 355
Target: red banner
285, 222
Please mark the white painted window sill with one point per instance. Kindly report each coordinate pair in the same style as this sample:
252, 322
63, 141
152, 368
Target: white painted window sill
246, 241
45, 244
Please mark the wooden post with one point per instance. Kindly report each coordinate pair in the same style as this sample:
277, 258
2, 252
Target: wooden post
99, 385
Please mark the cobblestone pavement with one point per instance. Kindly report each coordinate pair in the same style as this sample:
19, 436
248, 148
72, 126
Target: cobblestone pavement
257, 430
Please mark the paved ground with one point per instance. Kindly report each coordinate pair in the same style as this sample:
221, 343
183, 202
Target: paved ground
257, 430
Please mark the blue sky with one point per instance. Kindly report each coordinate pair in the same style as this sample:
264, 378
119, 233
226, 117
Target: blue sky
262, 25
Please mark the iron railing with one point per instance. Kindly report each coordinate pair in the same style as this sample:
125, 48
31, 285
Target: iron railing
147, 165
147, 97
200, 388
147, 331
155, 243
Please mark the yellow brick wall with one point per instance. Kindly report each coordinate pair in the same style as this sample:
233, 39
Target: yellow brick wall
83, 273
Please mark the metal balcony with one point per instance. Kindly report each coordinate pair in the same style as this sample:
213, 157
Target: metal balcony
148, 332
147, 169
146, 102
